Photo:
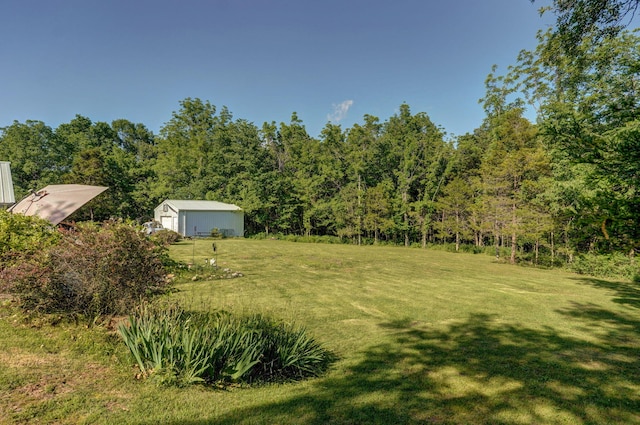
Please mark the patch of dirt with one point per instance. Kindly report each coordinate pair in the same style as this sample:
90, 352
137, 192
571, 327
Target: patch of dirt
46, 388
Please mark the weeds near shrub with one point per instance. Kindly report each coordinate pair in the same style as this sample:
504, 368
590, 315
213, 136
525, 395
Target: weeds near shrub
181, 348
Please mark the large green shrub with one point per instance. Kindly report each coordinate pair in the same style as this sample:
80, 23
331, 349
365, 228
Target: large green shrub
181, 347
614, 265
22, 236
166, 237
92, 270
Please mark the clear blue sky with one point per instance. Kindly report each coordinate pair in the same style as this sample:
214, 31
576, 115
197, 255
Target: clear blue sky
263, 59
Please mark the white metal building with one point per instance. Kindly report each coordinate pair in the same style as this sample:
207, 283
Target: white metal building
199, 218
7, 197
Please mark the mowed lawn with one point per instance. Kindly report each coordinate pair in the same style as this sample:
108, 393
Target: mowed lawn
421, 336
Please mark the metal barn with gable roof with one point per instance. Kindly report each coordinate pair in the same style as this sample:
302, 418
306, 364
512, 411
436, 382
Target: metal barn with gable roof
199, 218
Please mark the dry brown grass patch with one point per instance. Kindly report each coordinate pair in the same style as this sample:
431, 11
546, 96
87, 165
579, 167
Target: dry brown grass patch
43, 377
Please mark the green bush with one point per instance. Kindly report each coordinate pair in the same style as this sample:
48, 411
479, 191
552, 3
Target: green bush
22, 236
217, 234
615, 265
166, 237
91, 270
451, 247
180, 347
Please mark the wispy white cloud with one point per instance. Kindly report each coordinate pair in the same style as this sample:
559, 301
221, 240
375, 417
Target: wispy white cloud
340, 111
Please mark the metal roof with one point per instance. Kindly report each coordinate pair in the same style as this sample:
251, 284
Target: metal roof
57, 202
7, 196
190, 205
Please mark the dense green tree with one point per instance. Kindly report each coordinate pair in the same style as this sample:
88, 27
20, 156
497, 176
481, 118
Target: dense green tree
332, 176
347, 211
455, 206
134, 139
513, 160
416, 151
580, 19
245, 170
77, 133
300, 154
588, 106
275, 203
205, 154
378, 216
467, 156
38, 157
136, 153
91, 167
117, 155
183, 146
537, 220
465, 166
364, 167
366, 153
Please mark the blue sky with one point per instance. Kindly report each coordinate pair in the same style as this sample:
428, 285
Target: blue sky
326, 60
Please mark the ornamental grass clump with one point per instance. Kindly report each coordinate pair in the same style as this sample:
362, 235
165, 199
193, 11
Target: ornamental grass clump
179, 347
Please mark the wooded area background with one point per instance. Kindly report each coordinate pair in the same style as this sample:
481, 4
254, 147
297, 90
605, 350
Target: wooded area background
544, 191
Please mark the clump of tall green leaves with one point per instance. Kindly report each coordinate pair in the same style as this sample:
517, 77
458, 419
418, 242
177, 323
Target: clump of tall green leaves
180, 347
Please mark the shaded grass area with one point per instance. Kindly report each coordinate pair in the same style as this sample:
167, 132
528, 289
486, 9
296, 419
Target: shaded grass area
477, 371
422, 337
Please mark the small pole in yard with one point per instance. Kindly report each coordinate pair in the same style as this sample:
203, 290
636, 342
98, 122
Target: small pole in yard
193, 253
215, 256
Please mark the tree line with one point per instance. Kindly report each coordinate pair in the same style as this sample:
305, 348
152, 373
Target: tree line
541, 191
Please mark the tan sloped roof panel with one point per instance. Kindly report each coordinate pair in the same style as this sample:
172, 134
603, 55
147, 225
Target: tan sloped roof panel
7, 196
57, 202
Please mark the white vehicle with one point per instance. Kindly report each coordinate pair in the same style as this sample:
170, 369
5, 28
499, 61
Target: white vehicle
151, 227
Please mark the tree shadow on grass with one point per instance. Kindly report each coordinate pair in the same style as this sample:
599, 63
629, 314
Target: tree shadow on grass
625, 292
477, 371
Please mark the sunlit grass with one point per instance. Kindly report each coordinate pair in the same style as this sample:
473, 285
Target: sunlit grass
422, 337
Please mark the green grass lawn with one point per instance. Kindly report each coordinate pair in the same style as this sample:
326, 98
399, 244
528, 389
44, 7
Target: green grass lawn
421, 336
